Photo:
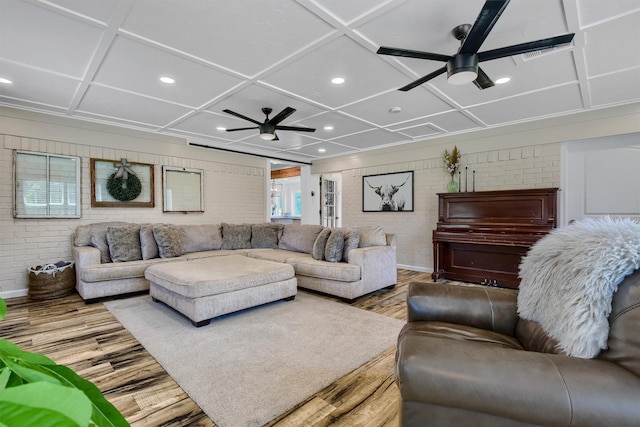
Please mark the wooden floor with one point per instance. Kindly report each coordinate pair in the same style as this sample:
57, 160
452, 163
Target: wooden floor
91, 341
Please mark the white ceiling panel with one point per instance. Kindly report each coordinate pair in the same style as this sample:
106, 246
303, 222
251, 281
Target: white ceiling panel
100, 60
195, 84
66, 48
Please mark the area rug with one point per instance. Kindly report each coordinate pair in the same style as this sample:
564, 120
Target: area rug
246, 368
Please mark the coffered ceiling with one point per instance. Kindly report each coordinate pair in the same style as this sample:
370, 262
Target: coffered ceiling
101, 60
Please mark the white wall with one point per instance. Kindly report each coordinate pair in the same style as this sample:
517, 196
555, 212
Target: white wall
519, 156
233, 186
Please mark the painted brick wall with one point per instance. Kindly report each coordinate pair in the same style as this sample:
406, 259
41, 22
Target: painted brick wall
232, 193
526, 167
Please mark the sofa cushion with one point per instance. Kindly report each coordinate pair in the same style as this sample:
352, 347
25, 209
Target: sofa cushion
339, 271
148, 245
299, 237
124, 243
335, 245
99, 241
203, 237
372, 236
169, 240
320, 243
236, 236
265, 235
277, 255
83, 232
351, 241
121, 270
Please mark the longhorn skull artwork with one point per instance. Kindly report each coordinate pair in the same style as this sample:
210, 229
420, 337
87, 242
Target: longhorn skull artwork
389, 201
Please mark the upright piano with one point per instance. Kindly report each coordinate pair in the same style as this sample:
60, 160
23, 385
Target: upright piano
482, 236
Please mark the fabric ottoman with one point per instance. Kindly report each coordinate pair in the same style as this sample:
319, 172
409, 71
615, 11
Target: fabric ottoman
206, 288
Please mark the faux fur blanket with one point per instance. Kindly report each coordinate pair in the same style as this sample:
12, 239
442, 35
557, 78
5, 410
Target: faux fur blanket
568, 279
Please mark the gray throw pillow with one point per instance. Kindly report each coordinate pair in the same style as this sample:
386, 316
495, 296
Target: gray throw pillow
334, 246
320, 243
236, 236
372, 236
124, 243
299, 237
351, 241
148, 245
169, 240
265, 235
99, 241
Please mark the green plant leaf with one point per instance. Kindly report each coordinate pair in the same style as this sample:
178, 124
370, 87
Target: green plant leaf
5, 374
3, 309
44, 404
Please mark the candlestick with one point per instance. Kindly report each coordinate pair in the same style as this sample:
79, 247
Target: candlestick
474, 181
466, 178
459, 181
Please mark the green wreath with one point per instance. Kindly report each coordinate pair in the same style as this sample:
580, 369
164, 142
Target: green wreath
122, 189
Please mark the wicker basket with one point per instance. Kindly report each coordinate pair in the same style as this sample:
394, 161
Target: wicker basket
52, 281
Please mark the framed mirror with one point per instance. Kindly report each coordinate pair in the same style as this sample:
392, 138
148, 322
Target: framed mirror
182, 189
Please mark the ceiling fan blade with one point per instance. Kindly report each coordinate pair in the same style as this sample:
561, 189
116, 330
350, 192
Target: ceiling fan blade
233, 113
296, 128
393, 51
233, 130
525, 47
281, 116
483, 81
423, 79
485, 21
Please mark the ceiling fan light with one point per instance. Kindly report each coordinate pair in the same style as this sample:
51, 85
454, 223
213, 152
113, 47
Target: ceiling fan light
462, 69
267, 136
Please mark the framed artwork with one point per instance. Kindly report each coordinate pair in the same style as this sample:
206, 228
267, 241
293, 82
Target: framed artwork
182, 189
389, 192
121, 184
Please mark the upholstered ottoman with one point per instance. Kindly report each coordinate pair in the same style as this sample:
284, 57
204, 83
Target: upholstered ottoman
210, 287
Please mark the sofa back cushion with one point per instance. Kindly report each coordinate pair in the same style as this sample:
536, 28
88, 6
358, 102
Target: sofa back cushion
124, 243
169, 239
201, 237
236, 236
148, 245
372, 236
299, 237
83, 232
534, 338
265, 235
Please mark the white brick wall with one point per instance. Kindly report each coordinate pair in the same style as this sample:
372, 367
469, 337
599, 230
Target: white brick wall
527, 167
232, 193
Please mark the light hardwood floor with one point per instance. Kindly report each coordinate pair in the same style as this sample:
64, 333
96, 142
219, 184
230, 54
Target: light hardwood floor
91, 341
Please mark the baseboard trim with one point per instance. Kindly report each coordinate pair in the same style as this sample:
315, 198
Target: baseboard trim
14, 294
415, 268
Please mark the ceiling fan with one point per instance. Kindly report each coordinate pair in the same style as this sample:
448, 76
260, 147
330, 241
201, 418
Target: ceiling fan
269, 126
462, 67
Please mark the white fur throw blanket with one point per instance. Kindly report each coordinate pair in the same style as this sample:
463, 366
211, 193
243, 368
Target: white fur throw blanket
568, 279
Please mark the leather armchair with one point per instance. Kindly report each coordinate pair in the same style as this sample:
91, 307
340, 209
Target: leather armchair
465, 359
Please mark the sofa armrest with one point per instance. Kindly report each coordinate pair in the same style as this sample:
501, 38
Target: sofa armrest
479, 306
85, 256
378, 264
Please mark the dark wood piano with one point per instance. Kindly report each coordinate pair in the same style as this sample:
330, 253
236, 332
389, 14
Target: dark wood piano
481, 236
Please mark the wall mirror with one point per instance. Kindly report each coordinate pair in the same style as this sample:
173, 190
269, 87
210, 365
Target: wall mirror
182, 189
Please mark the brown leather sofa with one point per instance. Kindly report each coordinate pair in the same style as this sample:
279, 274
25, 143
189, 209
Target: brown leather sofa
465, 359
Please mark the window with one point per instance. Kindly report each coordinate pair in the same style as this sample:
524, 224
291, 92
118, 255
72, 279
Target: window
46, 185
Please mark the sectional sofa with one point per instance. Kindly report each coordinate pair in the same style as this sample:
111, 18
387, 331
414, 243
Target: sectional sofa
111, 257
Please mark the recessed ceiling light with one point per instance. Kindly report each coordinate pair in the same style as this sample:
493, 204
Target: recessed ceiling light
167, 80
503, 80
337, 80
221, 128
395, 109
5, 81
328, 127
322, 150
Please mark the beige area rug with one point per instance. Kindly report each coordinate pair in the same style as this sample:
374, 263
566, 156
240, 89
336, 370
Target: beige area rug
246, 368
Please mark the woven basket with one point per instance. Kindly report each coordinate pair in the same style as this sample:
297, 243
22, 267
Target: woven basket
51, 281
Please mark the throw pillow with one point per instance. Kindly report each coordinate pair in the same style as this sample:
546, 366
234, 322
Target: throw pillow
265, 235
236, 236
169, 240
299, 237
124, 243
83, 232
372, 236
99, 241
204, 237
335, 245
351, 241
148, 245
320, 243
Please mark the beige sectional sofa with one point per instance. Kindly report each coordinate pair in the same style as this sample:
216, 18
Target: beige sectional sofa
111, 257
